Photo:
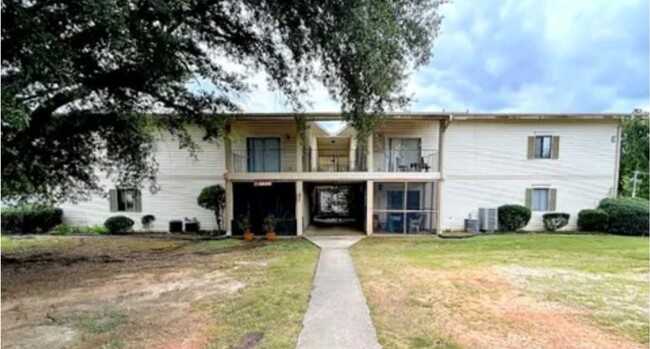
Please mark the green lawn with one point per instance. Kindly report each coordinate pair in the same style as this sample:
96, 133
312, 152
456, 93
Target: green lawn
416, 286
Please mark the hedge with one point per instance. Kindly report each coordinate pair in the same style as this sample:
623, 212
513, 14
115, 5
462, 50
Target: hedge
555, 220
627, 216
119, 224
513, 217
593, 220
30, 219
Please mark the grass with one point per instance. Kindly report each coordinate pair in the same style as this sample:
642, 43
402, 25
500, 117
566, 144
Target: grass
607, 275
277, 277
275, 298
33, 244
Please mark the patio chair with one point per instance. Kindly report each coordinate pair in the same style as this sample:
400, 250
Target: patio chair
401, 167
424, 165
415, 223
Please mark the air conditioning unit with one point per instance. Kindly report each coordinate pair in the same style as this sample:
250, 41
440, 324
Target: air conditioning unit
488, 220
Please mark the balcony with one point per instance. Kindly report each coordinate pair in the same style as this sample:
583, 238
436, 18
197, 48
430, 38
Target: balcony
402, 160
263, 160
333, 161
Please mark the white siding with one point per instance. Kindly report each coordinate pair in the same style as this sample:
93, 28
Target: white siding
180, 180
485, 165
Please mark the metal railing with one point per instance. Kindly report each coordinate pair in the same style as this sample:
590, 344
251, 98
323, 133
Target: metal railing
330, 160
402, 160
263, 160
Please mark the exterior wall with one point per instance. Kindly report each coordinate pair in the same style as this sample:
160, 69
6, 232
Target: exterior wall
427, 130
267, 128
180, 180
485, 165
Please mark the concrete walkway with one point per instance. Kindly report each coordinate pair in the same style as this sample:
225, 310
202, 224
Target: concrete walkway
338, 316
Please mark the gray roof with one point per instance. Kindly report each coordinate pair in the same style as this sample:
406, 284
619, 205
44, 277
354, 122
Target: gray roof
324, 116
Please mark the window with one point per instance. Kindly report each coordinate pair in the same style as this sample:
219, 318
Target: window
543, 147
263, 154
541, 199
126, 200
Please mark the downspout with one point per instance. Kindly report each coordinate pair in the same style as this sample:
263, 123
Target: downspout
443, 127
617, 164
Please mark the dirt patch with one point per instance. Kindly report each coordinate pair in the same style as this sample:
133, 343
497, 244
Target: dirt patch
133, 296
249, 340
37, 337
480, 309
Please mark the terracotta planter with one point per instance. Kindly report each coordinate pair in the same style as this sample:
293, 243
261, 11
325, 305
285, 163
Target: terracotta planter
270, 236
248, 235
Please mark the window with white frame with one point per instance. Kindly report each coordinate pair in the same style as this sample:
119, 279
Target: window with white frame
541, 199
543, 146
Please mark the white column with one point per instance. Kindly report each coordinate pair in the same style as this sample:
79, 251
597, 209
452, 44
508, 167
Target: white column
299, 210
229, 207
369, 206
370, 154
352, 158
299, 160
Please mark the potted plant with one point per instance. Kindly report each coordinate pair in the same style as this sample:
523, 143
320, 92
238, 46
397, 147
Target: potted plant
244, 225
269, 227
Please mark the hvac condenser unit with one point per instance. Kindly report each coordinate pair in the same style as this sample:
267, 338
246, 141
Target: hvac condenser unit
488, 220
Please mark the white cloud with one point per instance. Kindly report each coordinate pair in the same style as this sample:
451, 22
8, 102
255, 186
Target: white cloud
521, 56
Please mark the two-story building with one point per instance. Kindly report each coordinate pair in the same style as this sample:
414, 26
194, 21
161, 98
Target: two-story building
419, 173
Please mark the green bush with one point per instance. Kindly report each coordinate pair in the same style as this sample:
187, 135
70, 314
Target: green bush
594, 220
63, 229
29, 219
513, 217
213, 198
118, 224
627, 216
95, 229
555, 220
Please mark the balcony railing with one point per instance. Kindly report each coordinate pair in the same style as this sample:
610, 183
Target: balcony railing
329, 160
402, 160
263, 160
324, 160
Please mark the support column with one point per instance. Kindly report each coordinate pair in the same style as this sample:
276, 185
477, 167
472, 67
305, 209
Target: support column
299, 210
369, 206
299, 157
370, 154
229, 207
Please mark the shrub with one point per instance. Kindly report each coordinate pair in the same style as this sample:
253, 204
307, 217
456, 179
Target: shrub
513, 217
627, 216
30, 219
94, 229
213, 198
595, 220
118, 224
555, 220
63, 229
147, 220
243, 222
269, 224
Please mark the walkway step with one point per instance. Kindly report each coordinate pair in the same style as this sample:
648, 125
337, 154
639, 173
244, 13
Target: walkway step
338, 316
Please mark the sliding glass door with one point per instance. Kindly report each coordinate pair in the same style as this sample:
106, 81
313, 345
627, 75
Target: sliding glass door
405, 153
263, 154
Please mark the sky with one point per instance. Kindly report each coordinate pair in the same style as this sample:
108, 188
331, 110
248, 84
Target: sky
522, 56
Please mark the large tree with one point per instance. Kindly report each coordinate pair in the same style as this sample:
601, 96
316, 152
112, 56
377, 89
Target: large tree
80, 78
634, 155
